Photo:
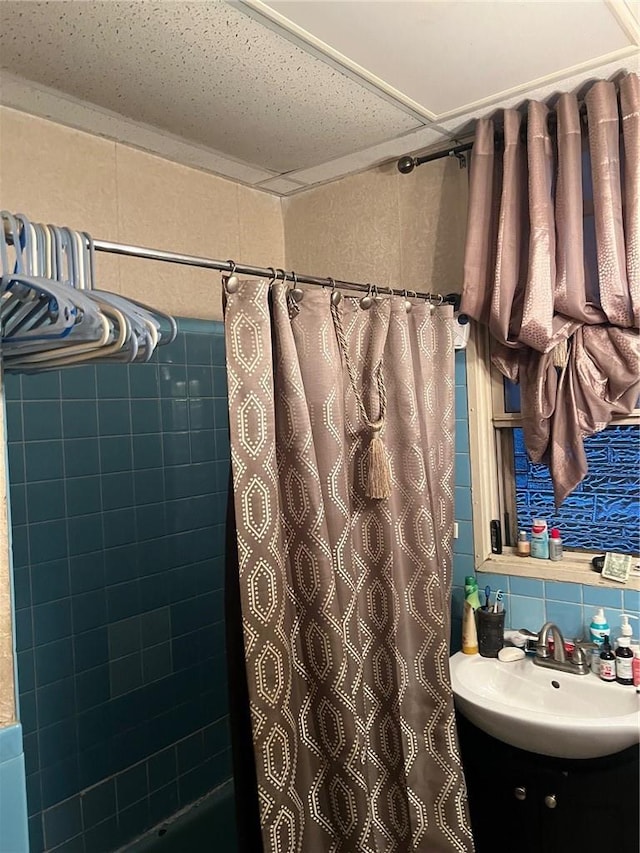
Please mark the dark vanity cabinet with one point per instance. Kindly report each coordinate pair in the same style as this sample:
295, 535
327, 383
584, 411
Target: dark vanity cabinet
526, 803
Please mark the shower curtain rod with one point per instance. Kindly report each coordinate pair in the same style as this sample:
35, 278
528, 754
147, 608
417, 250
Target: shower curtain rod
230, 266
245, 269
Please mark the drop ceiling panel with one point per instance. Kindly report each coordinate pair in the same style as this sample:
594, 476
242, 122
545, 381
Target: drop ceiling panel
448, 56
203, 72
463, 125
634, 7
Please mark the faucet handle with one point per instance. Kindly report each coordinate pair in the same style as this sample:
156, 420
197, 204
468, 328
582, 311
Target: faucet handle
584, 644
578, 656
542, 649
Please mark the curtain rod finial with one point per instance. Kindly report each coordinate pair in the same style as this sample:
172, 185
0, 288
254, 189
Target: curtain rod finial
406, 165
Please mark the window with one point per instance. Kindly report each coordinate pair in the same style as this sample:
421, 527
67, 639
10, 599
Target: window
602, 514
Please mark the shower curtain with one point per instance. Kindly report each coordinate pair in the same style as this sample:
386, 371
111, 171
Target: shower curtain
345, 598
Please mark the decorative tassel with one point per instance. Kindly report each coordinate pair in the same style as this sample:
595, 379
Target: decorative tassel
560, 354
378, 473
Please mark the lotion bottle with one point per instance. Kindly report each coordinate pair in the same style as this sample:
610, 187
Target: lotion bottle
469, 607
626, 629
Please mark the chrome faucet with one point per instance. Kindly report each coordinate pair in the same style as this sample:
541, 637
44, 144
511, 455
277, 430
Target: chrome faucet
576, 663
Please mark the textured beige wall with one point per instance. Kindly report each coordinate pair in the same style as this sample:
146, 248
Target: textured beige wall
379, 226
384, 227
55, 174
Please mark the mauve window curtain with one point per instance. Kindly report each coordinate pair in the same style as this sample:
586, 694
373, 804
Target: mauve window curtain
345, 598
556, 276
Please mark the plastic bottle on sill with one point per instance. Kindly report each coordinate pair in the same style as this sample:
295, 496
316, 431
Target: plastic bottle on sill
523, 548
555, 545
540, 539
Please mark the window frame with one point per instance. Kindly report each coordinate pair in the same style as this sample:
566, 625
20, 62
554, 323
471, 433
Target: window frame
487, 420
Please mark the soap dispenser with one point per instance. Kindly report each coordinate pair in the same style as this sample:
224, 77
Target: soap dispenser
599, 628
626, 630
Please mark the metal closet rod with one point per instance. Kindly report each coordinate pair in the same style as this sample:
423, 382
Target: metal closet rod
245, 269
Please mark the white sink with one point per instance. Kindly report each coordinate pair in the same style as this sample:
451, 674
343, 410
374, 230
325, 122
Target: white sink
545, 711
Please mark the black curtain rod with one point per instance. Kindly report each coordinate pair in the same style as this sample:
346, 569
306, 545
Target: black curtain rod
407, 164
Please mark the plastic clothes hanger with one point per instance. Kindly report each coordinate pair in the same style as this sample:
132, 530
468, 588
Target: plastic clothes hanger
51, 313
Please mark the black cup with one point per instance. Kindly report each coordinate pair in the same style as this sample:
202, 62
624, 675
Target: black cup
490, 632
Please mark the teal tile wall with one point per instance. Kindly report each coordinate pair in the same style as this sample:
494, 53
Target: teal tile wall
529, 602
13, 803
118, 479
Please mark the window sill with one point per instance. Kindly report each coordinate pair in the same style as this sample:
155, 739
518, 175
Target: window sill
573, 568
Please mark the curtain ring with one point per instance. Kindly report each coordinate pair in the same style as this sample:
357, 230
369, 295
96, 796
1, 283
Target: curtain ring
336, 296
407, 304
295, 292
367, 301
231, 281
274, 275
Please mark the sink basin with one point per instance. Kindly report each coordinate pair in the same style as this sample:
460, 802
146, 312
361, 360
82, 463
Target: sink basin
545, 711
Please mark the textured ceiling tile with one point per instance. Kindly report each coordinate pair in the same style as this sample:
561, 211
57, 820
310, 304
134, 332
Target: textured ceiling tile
49, 103
201, 71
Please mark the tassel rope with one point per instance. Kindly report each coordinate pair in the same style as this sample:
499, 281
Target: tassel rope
378, 472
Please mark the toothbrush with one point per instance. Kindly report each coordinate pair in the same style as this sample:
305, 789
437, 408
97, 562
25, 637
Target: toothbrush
497, 607
487, 593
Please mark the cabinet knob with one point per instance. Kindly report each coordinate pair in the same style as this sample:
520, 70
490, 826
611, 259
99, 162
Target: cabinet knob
520, 793
551, 801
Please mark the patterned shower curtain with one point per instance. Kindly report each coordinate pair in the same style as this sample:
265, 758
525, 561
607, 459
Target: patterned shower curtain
345, 599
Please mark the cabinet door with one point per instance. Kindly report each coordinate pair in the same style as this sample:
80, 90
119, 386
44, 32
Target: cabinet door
601, 805
502, 795
525, 803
